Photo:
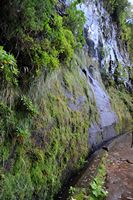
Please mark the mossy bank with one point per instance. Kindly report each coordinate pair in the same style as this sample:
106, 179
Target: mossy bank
60, 97
44, 135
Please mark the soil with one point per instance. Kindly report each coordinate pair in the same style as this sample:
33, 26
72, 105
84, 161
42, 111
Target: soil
119, 181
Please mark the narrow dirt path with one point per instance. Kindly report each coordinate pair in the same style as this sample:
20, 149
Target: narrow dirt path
119, 166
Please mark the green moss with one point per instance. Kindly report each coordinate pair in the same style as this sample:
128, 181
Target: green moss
39, 149
41, 34
8, 68
122, 104
120, 74
45, 147
98, 190
120, 10
95, 189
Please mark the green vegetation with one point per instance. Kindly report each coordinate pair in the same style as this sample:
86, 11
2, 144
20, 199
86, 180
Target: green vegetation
42, 138
119, 78
130, 40
38, 149
116, 8
8, 68
120, 74
121, 98
75, 23
27, 106
119, 10
122, 104
44, 113
96, 190
38, 36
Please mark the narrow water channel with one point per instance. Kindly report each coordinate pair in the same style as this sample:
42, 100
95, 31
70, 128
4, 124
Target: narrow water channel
84, 177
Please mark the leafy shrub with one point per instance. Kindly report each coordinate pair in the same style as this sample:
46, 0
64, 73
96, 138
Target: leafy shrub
96, 189
38, 36
75, 22
22, 132
116, 8
128, 36
97, 186
119, 10
107, 78
8, 67
27, 106
7, 120
4, 110
120, 74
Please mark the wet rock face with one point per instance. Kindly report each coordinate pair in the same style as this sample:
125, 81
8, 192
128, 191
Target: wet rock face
101, 36
102, 130
105, 51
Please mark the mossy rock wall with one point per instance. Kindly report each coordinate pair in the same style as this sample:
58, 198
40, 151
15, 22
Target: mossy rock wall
53, 143
122, 104
35, 167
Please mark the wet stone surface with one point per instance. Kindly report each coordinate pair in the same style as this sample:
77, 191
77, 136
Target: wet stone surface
119, 166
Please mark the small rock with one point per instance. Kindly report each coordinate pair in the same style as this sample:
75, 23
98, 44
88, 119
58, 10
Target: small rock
106, 148
129, 198
129, 161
